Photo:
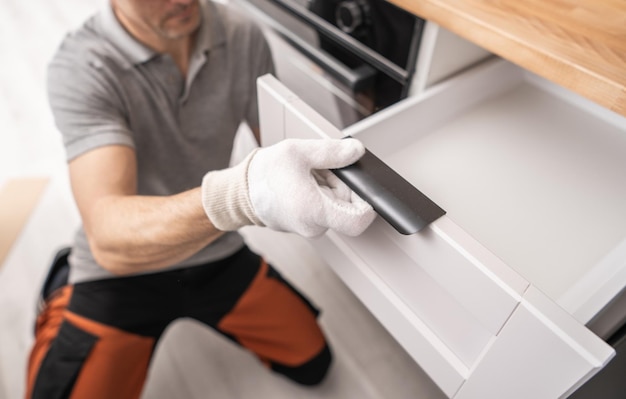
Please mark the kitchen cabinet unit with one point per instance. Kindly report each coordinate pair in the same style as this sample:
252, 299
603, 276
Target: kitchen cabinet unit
491, 299
578, 44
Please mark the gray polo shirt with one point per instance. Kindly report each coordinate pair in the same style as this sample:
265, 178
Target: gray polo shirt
106, 88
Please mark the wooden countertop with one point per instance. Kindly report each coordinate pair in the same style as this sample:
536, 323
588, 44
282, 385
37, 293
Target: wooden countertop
579, 44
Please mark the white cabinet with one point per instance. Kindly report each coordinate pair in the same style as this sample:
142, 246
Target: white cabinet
441, 55
490, 299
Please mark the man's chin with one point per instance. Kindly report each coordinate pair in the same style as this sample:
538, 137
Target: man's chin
176, 34
179, 29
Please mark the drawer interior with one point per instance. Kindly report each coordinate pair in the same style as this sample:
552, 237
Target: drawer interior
534, 173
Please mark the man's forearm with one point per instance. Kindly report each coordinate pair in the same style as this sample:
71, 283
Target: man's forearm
130, 234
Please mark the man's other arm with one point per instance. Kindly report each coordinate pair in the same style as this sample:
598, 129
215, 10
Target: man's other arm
129, 233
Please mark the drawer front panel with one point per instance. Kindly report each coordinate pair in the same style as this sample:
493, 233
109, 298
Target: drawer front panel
447, 317
485, 287
421, 343
456, 308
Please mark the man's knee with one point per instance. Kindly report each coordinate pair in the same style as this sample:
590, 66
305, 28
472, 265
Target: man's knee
310, 373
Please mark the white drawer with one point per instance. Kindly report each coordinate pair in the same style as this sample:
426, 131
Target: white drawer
530, 178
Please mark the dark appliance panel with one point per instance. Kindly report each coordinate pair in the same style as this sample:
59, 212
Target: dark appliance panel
366, 49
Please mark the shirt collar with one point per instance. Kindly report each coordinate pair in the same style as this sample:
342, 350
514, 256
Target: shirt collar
134, 51
210, 34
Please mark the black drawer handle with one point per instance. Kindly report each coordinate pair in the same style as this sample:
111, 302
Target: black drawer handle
396, 200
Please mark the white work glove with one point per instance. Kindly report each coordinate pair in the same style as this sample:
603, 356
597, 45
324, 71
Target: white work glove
287, 187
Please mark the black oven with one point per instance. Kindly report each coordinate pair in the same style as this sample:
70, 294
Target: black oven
345, 58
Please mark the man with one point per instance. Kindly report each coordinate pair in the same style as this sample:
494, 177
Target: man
148, 95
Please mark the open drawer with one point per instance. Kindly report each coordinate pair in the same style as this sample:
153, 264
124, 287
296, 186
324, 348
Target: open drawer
490, 299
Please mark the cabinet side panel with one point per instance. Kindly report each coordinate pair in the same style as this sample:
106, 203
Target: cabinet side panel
272, 99
540, 353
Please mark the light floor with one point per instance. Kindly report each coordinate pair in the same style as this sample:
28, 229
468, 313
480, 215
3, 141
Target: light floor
191, 362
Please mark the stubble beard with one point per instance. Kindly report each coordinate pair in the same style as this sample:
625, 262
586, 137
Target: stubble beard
186, 28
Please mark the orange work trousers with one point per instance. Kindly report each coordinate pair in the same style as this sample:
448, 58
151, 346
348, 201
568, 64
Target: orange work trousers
95, 339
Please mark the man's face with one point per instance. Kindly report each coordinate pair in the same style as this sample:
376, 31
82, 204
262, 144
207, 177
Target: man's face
168, 19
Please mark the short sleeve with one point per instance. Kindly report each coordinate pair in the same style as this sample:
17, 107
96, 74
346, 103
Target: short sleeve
87, 108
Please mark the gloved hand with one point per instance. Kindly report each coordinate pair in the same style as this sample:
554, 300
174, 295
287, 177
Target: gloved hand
287, 187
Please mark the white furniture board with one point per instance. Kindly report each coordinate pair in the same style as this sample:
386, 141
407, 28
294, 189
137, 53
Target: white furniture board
533, 177
421, 343
432, 302
271, 110
599, 287
442, 54
456, 287
463, 299
423, 307
533, 343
